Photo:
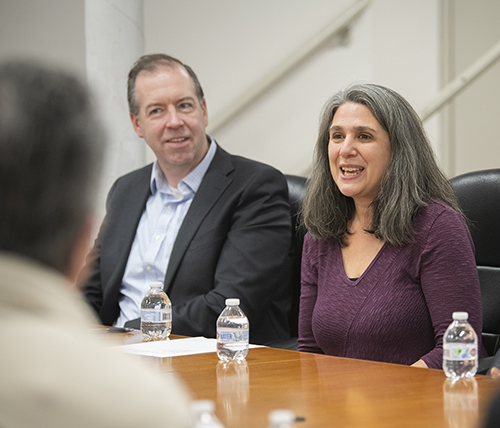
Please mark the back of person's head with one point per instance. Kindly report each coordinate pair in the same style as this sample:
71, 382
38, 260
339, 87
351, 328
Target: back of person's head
151, 63
51, 146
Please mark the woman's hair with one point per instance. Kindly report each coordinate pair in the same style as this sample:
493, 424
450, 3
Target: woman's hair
412, 178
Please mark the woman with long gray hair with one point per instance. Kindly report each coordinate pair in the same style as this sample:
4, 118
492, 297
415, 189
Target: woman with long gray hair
388, 256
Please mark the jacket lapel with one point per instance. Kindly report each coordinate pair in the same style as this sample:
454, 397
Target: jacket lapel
126, 220
213, 185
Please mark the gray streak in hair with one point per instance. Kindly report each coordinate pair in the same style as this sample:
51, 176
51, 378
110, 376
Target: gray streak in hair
412, 179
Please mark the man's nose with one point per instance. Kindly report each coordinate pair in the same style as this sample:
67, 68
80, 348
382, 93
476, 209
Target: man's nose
174, 119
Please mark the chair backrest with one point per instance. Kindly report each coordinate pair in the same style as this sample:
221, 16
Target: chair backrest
296, 192
479, 197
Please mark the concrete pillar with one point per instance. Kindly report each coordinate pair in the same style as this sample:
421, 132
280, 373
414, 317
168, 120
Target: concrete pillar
114, 36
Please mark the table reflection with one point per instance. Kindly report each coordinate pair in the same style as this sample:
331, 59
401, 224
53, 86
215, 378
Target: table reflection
233, 389
461, 402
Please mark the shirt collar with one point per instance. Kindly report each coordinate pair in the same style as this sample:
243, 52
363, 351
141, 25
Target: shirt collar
191, 182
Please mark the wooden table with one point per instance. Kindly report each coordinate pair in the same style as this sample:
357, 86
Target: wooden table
328, 391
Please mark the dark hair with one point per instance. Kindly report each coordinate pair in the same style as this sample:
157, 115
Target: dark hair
50, 150
151, 63
412, 179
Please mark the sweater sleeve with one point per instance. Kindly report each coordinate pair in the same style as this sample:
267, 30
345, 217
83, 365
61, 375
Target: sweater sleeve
449, 279
308, 296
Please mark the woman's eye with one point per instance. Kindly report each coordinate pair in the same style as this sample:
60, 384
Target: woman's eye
336, 137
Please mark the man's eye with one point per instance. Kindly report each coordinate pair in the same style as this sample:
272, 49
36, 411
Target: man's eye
154, 111
185, 106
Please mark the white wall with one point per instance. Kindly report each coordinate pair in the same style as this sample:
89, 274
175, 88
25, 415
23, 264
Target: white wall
50, 30
233, 43
474, 115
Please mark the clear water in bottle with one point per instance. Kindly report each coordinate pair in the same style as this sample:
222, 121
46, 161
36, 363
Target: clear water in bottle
460, 353
156, 313
232, 332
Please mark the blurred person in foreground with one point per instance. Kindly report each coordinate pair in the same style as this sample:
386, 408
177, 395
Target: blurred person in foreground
54, 371
207, 224
492, 418
388, 256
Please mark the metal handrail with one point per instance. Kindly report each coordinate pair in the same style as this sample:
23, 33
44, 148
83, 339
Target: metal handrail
460, 82
288, 65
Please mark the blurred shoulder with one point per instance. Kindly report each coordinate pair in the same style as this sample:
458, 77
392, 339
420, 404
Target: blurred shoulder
67, 356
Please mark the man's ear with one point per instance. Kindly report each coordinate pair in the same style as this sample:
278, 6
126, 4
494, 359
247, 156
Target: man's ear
135, 123
205, 112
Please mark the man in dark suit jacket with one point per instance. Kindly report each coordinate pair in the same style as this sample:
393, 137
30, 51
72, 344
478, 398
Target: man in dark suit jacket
232, 239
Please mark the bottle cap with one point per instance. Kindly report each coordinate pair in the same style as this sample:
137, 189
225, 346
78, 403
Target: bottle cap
202, 406
156, 284
281, 416
232, 302
460, 315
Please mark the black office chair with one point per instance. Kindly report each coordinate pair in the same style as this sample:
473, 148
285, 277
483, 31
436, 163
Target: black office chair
296, 192
479, 196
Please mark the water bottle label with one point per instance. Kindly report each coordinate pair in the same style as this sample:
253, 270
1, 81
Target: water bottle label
155, 315
231, 336
459, 351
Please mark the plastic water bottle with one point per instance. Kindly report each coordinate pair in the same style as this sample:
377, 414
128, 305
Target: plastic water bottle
281, 419
156, 313
203, 416
460, 348
232, 332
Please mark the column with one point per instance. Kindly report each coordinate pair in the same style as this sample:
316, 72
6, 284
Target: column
114, 37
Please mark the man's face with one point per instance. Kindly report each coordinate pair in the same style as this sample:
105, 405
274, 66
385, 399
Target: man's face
171, 120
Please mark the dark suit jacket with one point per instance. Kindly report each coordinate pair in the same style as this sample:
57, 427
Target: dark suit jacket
234, 242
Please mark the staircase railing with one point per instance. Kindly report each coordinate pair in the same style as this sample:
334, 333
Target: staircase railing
258, 89
462, 81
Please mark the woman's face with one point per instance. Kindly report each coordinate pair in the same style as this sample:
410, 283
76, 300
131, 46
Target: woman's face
359, 152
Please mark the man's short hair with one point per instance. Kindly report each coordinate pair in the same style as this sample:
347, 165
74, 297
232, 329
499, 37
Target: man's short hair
51, 145
151, 63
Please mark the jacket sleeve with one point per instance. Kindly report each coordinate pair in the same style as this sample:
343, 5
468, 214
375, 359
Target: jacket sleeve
90, 277
252, 264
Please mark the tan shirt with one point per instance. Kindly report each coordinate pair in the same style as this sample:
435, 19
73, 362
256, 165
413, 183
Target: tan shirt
54, 372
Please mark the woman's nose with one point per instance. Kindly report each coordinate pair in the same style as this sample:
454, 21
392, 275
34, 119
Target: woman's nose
348, 148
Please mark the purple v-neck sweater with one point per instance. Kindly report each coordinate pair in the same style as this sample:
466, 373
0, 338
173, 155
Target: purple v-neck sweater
400, 307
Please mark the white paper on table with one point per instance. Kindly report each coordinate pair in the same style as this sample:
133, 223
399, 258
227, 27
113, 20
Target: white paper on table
174, 348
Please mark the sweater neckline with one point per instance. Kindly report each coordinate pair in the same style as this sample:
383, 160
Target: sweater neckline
380, 263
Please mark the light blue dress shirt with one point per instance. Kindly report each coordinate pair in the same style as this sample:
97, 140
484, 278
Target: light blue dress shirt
156, 234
